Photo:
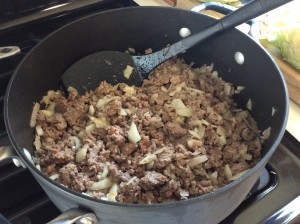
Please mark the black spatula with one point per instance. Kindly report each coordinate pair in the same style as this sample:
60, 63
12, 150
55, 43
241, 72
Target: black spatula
88, 72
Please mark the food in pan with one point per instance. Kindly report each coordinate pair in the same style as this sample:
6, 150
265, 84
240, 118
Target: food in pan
178, 136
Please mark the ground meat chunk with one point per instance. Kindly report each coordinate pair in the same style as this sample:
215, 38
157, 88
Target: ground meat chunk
70, 176
175, 129
187, 128
152, 179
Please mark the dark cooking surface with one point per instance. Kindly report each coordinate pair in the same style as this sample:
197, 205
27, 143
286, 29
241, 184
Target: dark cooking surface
21, 198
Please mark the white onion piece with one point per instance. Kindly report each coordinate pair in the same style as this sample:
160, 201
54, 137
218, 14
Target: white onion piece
91, 110
238, 175
39, 130
195, 134
133, 134
177, 103
37, 142
197, 160
34, 113
193, 143
249, 104
47, 113
75, 141
129, 90
90, 128
158, 151
81, 154
227, 171
100, 122
102, 102
122, 112
185, 112
51, 107
149, 158
113, 192
184, 194
104, 173
266, 133
54, 176
128, 71
102, 184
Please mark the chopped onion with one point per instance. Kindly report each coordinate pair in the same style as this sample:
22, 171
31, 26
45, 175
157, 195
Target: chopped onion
186, 112
198, 123
132, 50
197, 160
240, 88
210, 68
214, 75
133, 134
113, 192
39, 130
102, 184
214, 177
91, 110
71, 89
149, 158
129, 90
227, 171
177, 103
75, 141
249, 104
100, 122
180, 119
273, 111
195, 90
222, 140
51, 107
150, 165
128, 71
193, 143
102, 102
227, 89
266, 133
81, 154
90, 128
37, 143
164, 89
54, 176
158, 151
184, 194
238, 175
34, 113
195, 134
122, 112
47, 113
154, 97
104, 173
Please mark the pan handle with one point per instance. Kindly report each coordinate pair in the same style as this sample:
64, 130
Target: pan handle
7, 152
70, 216
8, 51
226, 9
78, 215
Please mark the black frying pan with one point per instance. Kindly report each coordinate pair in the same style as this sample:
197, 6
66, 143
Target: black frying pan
141, 28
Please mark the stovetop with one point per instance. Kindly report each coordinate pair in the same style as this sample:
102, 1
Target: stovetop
275, 198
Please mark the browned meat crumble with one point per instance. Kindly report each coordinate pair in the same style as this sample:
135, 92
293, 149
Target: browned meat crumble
179, 136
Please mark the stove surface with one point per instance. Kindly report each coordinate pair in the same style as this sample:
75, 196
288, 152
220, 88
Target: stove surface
274, 199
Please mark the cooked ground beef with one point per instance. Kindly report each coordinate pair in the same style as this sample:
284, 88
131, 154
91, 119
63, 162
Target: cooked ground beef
189, 137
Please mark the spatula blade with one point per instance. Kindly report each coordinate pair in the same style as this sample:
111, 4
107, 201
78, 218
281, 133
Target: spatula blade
87, 73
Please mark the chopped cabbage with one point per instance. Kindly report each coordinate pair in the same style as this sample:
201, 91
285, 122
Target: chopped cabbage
282, 29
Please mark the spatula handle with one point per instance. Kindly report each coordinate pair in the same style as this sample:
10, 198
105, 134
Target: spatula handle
249, 11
